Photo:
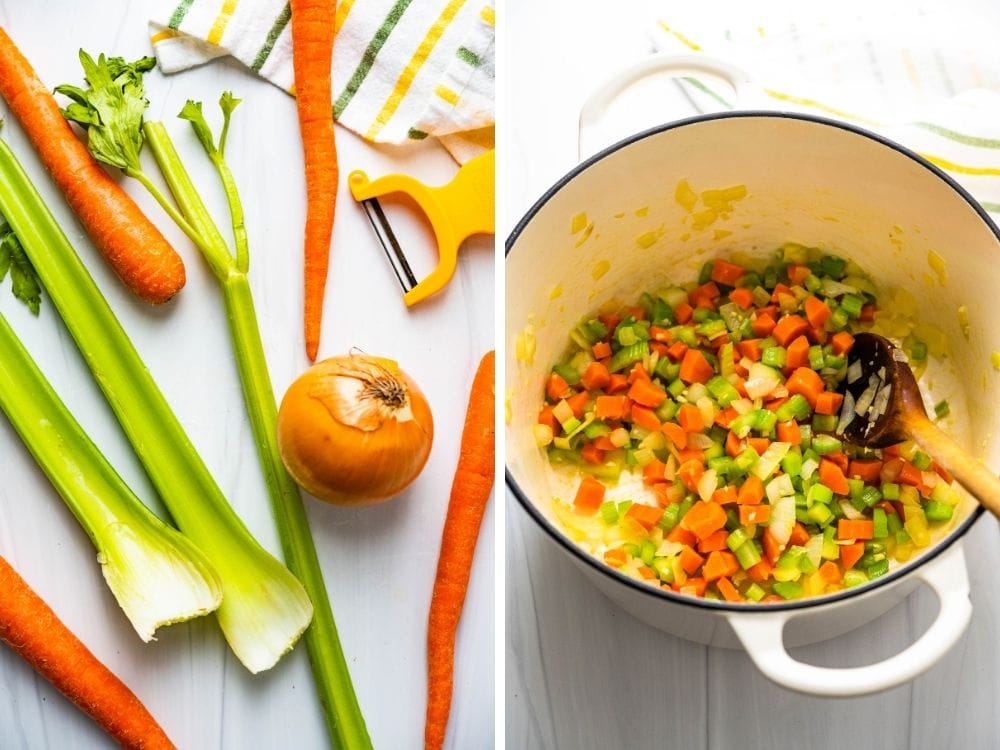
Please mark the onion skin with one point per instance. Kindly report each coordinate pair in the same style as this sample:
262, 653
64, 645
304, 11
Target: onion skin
343, 464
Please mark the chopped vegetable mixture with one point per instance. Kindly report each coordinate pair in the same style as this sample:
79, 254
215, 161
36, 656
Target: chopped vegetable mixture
724, 397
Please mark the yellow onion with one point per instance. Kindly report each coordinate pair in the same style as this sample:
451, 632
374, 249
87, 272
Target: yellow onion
354, 430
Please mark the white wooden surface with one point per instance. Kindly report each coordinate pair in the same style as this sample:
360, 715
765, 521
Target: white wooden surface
580, 673
379, 562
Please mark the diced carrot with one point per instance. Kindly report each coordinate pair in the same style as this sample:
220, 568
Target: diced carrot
695, 368
601, 350
833, 477
772, 599
828, 402
647, 572
691, 454
615, 557
610, 321
798, 274
704, 518
762, 325
660, 348
724, 272
909, 474
851, 553
578, 403
683, 313
797, 354
759, 444
817, 312
682, 536
752, 491
728, 590
589, 496
713, 542
842, 343
830, 572
772, 548
592, 454
646, 515
645, 418
789, 432
867, 471
942, 472
693, 587
707, 290
637, 373
636, 312
754, 514
789, 328
720, 564
664, 335
677, 351
690, 418
616, 383
805, 382
690, 473
760, 572
690, 560
547, 418
654, 471
867, 314
595, 377
610, 407
556, 388
733, 445
742, 297
799, 535
817, 335
676, 433
771, 310
750, 348
725, 417
603, 442
647, 393
779, 291
840, 458
861, 528
725, 496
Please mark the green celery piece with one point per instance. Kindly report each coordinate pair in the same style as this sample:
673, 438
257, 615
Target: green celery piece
156, 574
345, 722
23, 279
264, 608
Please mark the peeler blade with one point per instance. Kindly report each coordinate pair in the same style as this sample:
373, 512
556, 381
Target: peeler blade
390, 245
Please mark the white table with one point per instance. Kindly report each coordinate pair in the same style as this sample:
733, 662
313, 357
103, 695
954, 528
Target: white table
379, 562
581, 674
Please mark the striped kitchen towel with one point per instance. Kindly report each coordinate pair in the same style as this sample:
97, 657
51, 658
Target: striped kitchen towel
402, 70
919, 75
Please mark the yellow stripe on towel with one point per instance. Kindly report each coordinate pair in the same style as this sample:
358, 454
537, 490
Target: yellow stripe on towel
159, 36
447, 94
961, 168
221, 21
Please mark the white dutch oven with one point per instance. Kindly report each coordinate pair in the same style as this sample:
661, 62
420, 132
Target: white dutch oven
812, 181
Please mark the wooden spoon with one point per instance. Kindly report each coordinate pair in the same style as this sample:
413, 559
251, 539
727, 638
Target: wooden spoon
904, 418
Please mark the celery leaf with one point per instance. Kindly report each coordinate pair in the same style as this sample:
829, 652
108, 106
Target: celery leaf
23, 278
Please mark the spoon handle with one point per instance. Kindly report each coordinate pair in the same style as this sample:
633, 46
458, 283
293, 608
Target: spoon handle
971, 473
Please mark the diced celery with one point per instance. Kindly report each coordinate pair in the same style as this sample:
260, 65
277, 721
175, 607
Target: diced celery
676, 388
942, 409
791, 464
870, 496
824, 444
670, 517
787, 589
628, 355
878, 568
747, 554
567, 373
816, 358
609, 512
664, 568
938, 511
854, 578
819, 513
736, 540
890, 491
755, 593
774, 356
921, 460
647, 551
881, 524
596, 429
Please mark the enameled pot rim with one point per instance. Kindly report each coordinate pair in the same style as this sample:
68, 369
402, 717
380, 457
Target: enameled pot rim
710, 604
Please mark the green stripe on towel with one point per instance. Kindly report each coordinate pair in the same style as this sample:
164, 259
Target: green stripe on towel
179, 12
968, 140
468, 56
272, 36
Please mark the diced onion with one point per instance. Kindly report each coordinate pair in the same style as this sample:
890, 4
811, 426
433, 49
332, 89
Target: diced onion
850, 512
699, 441
761, 381
767, 463
780, 486
854, 370
742, 405
809, 467
847, 413
708, 484
619, 437
881, 402
707, 409
543, 434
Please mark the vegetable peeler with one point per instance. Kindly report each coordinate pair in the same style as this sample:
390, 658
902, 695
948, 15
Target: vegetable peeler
456, 211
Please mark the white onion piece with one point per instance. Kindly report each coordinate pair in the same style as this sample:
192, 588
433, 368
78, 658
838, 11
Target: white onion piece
708, 484
864, 401
767, 463
761, 381
881, 402
847, 413
779, 487
809, 467
699, 441
850, 512
854, 371
742, 405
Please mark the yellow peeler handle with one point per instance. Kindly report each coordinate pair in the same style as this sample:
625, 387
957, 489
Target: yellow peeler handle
456, 211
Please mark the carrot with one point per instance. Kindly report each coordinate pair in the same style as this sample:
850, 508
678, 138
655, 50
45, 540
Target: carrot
578, 403
616, 383
720, 564
312, 57
546, 417
789, 328
762, 325
470, 492
644, 417
690, 418
676, 433
866, 471
589, 496
556, 387
646, 515
714, 542
798, 354
750, 348
615, 557
704, 519
677, 350
817, 311
646, 393
592, 453
842, 343
751, 492
36, 634
862, 528
683, 312
728, 590
805, 382
690, 472
610, 407
798, 274
695, 368
595, 377
742, 297
851, 553
654, 471
789, 432
724, 272
132, 245
833, 477
601, 349
690, 560
829, 572
828, 402
754, 514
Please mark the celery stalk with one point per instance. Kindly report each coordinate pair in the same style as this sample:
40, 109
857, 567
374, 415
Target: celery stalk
157, 575
345, 722
264, 608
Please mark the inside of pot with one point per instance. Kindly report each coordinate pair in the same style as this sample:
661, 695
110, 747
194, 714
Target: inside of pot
616, 229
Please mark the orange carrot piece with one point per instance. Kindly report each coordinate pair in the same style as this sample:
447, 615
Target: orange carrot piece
131, 244
578, 403
556, 387
842, 343
752, 491
851, 553
798, 274
470, 492
589, 496
829, 402
720, 564
797, 354
762, 325
733, 445
861, 528
647, 393
761, 571
830, 572
789, 328
616, 384
645, 418
759, 444
789, 432
780, 290
724, 272
728, 590
725, 495
690, 560
676, 434
714, 542
754, 514
592, 454
817, 312
595, 377
866, 471
910, 474
601, 350
654, 472
638, 372
690, 418
742, 298
693, 587
312, 56
695, 368
682, 536
36, 634
805, 382
646, 515
799, 535
610, 407
615, 557
833, 477
750, 348
690, 472
704, 519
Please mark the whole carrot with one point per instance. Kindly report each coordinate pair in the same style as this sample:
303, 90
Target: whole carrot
469, 494
312, 59
31, 628
132, 245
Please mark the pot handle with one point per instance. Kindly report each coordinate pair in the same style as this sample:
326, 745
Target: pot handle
761, 635
591, 131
